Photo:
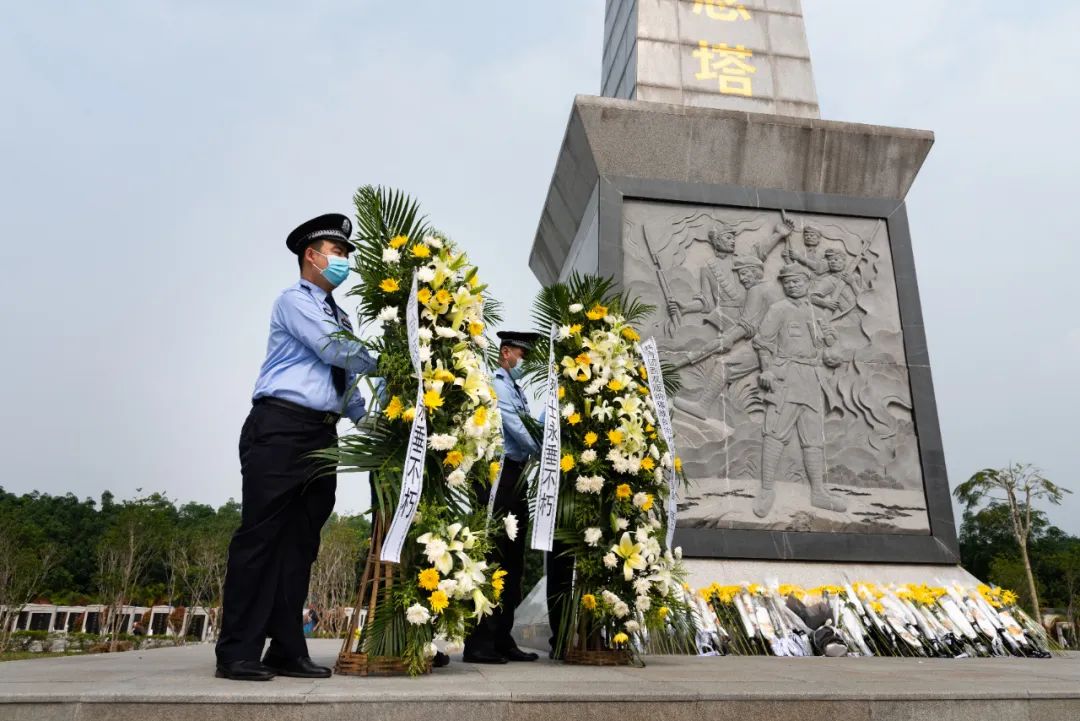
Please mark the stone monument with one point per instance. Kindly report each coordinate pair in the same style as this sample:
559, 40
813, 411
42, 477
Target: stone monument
775, 249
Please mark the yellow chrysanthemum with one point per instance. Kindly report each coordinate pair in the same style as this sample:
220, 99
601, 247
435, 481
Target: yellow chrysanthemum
493, 471
596, 312
615, 437
574, 419
476, 328
398, 240
498, 582
588, 601
408, 414
420, 251
429, 579
389, 285
583, 359
438, 601
562, 392
663, 611
620, 638
454, 458
480, 417
575, 329
643, 390
647, 463
648, 504
623, 491
678, 464
615, 385
630, 334
567, 462
643, 373
443, 297
433, 399
394, 408
423, 295
591, 438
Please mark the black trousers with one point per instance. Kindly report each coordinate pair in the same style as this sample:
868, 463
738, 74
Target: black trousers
559, 567
284, 506
492, 633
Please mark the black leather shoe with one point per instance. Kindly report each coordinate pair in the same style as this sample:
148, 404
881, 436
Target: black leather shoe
302, 667
440, 659
516, 654
244, 671
483, 657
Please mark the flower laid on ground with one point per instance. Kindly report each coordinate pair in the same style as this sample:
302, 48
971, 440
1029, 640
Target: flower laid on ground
445, 584
610, 459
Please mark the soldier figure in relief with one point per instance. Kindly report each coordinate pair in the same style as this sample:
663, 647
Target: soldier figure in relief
838, 290
811, 259
792, 347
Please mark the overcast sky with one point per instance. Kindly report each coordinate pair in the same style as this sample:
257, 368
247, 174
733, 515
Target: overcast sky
154, 154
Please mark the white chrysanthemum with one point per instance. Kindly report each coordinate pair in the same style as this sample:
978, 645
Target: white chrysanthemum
654, 451
588, 455
610, 319
445, 332
641, 586
564, 332
433, 241
594, 387
665, 460
417, 615
622, 524
576, 307
425, 353
658, 476
510, 523
425, 274
567, 410
640, 499
632, 626
389, 314
424, 334
442, 441
480, 340
456, 479
678, 553
448, 586
642, 603
593, 536
621, 610
609, 598
391, 255
610, 560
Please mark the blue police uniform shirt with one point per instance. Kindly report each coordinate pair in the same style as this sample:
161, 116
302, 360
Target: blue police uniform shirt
517, 443
300, 352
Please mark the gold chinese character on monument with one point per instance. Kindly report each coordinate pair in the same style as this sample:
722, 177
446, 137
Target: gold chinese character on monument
726, 10
727, 66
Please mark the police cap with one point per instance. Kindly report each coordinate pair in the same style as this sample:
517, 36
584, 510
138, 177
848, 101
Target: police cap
332, 226
517, 339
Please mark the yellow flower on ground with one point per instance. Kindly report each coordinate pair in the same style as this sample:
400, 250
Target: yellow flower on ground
433, 399
615, 385
588, 601
389, 285
476, 328
647, 463
596, 312
420, 251
493, 471
575, 329
408, 414
398, 240
567, 462
423, 295
630, 334
678, 464
620, 638
438, 601
429, 579
1008, 598
623, 491
591, 438
615, 437
394, 408
454, 458
574, 419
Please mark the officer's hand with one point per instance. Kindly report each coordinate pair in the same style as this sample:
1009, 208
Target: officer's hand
766, 380
784, 228
846, 277
674, 307
831, 304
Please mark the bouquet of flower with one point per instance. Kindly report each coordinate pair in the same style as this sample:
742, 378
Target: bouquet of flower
616, 469
442, 584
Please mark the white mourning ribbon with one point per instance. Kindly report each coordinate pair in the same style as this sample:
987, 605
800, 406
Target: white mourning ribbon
547, 492
412, 478
651, 358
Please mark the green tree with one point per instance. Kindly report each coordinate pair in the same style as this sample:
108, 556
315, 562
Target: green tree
1018, 488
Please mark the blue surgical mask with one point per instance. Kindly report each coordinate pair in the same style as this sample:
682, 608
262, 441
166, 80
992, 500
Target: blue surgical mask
518, 369
336, 270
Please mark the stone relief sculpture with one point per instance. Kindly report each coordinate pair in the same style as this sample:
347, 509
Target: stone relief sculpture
795, 412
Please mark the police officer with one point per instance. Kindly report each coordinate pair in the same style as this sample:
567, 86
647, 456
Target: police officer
302, 390
491, 641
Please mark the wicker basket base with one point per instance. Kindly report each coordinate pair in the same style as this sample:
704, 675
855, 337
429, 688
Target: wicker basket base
360, 664
599, 657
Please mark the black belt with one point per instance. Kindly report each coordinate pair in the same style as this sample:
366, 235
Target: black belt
308, 414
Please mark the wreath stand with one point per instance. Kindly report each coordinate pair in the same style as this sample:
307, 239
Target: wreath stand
378, 578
